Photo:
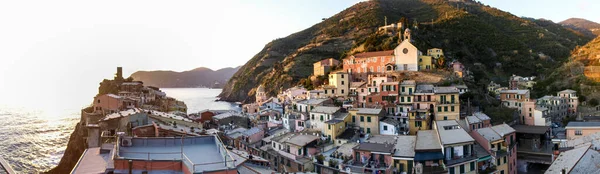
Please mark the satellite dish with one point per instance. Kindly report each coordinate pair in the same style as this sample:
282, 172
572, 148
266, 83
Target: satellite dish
348, 170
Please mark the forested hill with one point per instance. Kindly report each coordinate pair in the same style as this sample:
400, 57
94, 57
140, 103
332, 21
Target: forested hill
499, 43
199, 77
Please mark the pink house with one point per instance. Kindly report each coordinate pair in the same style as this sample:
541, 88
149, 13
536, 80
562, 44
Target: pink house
500, 142
373, 157
251, 136
302, 122
108, 103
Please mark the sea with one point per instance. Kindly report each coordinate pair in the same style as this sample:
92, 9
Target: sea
34, 136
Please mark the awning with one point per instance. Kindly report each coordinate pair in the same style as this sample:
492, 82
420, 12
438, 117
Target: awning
485, 158
426, 156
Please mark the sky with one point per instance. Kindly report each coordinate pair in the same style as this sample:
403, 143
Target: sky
555, 10
65, 48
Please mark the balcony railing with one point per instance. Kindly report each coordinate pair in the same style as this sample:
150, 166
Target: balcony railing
461, 159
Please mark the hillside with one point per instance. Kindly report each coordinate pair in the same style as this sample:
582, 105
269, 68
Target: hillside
581, 73
584, 26
199, 77
500, 43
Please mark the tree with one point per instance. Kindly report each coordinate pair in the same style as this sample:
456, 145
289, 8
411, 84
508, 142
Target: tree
320, 159
593, 102
333, 163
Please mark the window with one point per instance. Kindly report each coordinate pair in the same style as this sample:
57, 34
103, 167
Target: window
403, 89
445, 108
472, 166
368, 130
353, 119
342, 77
368, 119
401, 99
370, 100
408, 99
462, 168
502, 172
452, 108
384, 128
342, 82
498, 161
313, 116
439, 109
504, 160
362, 118
451, 170
342, 90
300, 167
98, 100
321, 117
578, 132
445, 117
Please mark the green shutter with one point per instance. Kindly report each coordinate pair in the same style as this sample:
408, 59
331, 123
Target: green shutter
362, 118
368, 130
329, 126
368, 119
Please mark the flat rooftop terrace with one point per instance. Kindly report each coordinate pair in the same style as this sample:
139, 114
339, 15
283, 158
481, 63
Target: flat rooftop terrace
199, 154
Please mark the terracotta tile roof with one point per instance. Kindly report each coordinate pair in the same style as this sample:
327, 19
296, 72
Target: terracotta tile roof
374, 54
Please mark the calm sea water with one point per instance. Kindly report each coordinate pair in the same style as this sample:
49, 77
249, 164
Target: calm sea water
34, 135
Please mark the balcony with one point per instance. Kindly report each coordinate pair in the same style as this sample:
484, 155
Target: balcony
460, 159
447, 102
434, 169
487, 169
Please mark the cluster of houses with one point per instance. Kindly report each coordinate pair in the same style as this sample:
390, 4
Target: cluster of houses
362, 121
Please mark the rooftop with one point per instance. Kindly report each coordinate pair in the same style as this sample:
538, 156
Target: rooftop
95, 160
252, 131
517, 91
427, 140
567, 91
391, 121
382, 139
424, 88
374, 54
313, 101
302, 139
531, 129
200, 153
325, 109
405, 146
577, 124
567, 160
346, 149
503, 129
473, 119
482, 116
370, 111
225, 115
356, 84
489, 134
408, 82
376, 147
451, 133
445, 89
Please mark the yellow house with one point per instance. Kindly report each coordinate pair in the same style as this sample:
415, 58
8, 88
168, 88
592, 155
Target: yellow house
336, 126
323, 67
447, 103
426, 63
406, 99
339, 84
418, 119
435, 53
404, 153
367, 119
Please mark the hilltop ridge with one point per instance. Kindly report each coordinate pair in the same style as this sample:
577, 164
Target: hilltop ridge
471, 32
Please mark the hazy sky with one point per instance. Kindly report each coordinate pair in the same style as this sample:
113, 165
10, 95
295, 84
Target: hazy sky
63, 47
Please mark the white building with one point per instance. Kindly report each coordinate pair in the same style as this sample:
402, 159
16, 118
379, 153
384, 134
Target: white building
407, 56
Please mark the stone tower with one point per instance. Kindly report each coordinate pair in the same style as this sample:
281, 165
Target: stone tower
261, 96
119, 74
407, 35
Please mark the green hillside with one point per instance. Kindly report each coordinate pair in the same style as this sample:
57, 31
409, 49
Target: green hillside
492, 43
